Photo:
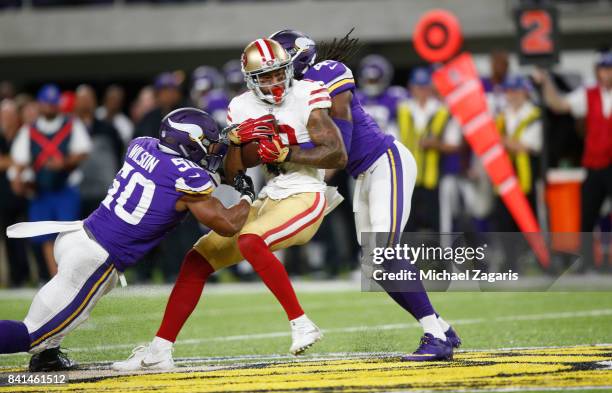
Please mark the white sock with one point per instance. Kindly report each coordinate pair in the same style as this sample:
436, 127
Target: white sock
443, 324
300, 320
160, 344
430, 325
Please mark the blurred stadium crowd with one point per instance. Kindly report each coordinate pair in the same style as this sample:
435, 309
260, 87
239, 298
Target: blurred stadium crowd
71, 3
59, 151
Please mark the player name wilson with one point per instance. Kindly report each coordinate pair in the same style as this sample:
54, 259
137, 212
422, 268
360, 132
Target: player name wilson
444, 275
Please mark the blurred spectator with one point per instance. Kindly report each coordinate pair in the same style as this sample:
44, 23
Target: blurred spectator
207, 94
378, 99
234, 79
111, 111
51, 148
12, 207
594, 104
521, 127
28, 108
98, 169
454, 161
143, 104
168, 97
493, 85
7, 90
422, 121
204, 79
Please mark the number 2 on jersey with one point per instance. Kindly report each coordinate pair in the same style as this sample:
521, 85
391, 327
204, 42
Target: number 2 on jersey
148, 189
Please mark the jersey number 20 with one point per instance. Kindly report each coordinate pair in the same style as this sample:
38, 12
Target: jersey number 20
148, 188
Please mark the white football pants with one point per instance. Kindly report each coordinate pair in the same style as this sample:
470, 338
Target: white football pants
84, 275
383, 194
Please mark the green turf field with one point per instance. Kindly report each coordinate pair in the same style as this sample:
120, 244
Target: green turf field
250, 324
355, 322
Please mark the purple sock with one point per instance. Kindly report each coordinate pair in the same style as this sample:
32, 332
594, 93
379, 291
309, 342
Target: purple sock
416, 303
411, 296
14, 337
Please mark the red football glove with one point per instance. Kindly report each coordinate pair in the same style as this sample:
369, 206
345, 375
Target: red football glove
263, 127
273, 151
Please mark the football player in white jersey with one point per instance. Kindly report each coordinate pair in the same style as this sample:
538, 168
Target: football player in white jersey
289, 120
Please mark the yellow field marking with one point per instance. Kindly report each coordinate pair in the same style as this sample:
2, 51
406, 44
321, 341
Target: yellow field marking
546, 368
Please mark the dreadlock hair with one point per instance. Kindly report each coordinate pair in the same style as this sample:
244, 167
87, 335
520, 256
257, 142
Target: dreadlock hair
341, 50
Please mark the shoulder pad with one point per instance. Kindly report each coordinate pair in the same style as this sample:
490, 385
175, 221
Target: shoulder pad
191, 179
336, 76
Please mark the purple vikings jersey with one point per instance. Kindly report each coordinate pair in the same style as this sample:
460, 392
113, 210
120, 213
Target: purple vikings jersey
383, 108
368, 141
140, 207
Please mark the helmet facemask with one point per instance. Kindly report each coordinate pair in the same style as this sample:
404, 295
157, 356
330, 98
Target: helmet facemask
276, 91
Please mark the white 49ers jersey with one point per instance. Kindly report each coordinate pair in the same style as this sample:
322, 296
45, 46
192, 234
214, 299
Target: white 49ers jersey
292, 116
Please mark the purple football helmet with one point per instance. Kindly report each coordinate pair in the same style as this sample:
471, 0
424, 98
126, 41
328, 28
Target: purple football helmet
375, 74
193, 134
203, 80
234, 79
301, 48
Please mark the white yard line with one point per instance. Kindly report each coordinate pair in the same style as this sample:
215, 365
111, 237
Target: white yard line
354, 329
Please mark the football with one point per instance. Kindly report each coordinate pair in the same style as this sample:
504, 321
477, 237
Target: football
248, 152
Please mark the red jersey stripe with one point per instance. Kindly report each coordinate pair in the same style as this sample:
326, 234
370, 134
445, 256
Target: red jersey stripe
324, 89
318, 99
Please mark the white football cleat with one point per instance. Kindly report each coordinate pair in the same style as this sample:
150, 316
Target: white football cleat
146, 358
304, 333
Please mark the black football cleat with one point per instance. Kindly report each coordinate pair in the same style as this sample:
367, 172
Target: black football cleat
52, 359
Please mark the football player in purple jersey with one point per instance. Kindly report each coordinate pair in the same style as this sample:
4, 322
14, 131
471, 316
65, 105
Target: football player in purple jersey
160, 182
384, 169
377, 98
234, 80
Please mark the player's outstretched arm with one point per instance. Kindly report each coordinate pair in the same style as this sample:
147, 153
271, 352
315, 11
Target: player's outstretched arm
211, 212
329, 151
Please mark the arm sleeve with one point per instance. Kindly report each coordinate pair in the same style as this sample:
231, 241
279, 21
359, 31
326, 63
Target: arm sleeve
20, 150
228, 118
316, 97
80, 142
234, 115
341, 83
577, 102
336, 76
